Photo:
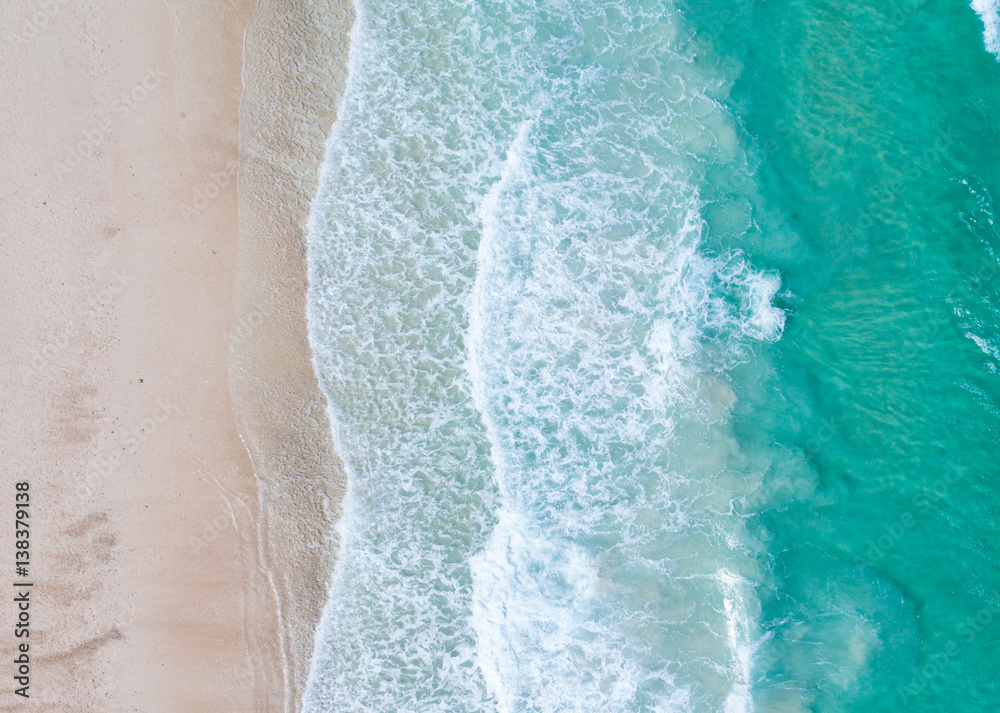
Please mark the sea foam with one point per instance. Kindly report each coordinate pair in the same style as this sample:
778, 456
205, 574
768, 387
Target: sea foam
989, 12
525, 343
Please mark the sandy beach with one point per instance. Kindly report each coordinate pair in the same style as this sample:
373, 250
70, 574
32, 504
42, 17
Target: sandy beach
294, 72
155, 348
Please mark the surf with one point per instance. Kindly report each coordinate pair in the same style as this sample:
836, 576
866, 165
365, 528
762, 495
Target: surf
526, 342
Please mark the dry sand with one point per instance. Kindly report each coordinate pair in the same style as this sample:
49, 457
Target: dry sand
160, 582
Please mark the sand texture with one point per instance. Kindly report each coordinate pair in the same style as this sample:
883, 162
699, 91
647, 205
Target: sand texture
294, 74
160, 583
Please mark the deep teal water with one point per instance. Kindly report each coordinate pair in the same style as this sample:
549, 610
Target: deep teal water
881, 153
661, 342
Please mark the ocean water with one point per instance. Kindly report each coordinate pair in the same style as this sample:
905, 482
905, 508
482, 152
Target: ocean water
661, 346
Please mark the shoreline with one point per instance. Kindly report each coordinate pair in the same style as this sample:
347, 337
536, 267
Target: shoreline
139, 401
279, 406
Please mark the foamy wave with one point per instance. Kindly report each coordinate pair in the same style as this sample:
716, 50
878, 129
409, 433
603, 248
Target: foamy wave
525, 356
594, 342
989, 11
539, 647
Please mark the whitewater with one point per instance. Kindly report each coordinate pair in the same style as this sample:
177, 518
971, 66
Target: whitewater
525, 345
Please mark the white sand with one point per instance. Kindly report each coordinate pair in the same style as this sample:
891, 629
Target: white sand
159, 586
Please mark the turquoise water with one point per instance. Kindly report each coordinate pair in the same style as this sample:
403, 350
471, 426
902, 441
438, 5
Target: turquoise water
661, 343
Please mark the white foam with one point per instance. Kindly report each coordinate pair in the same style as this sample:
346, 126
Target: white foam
567, 392
532, 599
539, 504
738, 598
989, 12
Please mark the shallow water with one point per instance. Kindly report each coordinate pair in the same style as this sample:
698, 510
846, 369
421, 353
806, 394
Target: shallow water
661, 348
